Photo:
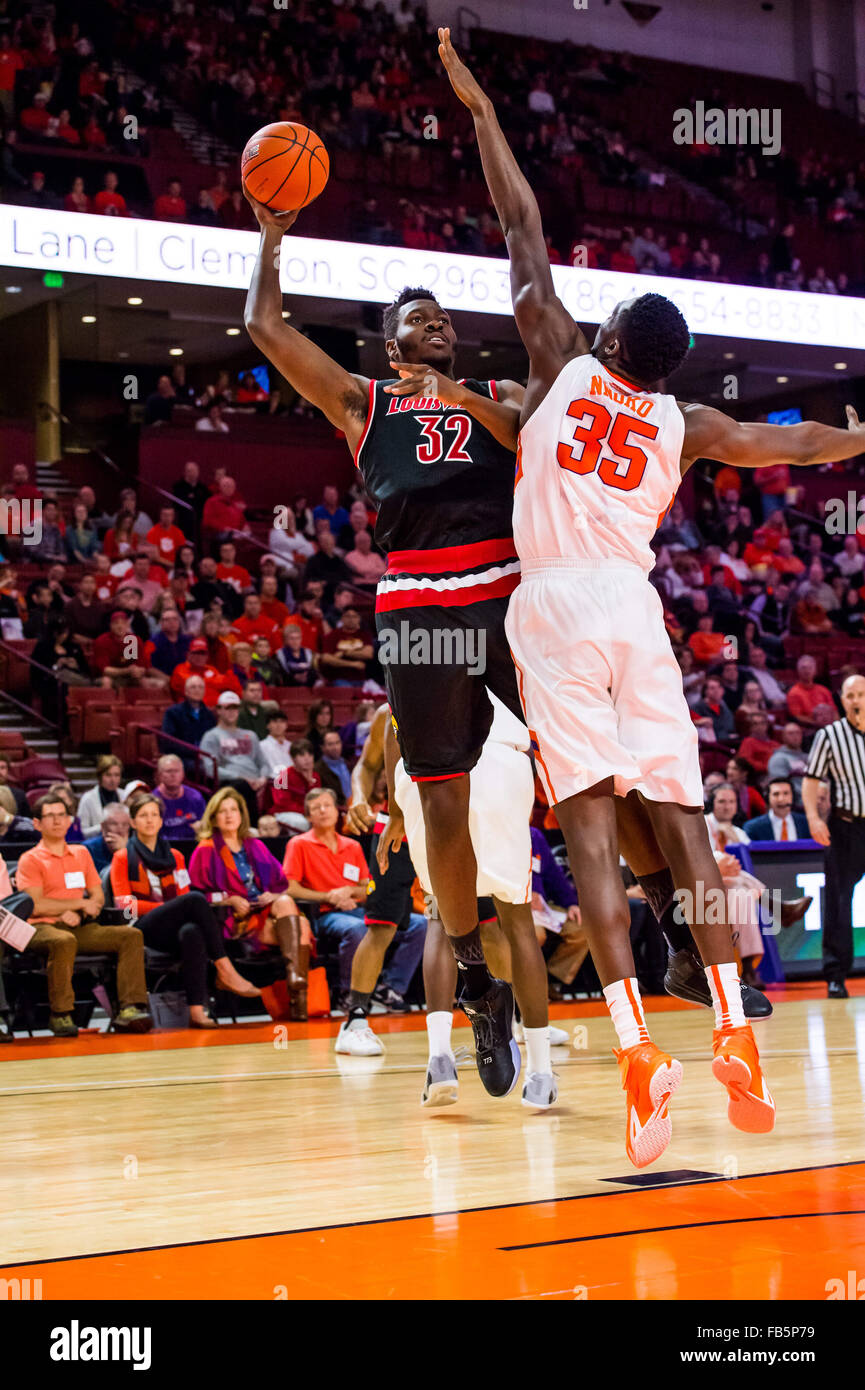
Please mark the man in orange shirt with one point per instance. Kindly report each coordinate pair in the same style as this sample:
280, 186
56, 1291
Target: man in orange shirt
704, 643
197, 664
67, 898
804, 698
253, 623
170, 206
310, 619
328, 870
166, 537
224, 510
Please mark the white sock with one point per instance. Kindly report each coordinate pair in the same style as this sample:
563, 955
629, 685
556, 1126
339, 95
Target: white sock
726, 995
438, 1029
626, 1011
538, 1050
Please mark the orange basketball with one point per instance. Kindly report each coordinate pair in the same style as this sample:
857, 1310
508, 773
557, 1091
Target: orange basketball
284, 166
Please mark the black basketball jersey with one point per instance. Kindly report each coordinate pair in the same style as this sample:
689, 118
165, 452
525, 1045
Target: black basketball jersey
437, 477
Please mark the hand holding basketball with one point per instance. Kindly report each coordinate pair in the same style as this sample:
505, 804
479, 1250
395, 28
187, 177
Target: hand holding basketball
265, 218
462, 81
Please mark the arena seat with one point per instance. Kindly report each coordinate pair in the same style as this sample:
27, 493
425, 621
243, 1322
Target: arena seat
13, 747
40, 772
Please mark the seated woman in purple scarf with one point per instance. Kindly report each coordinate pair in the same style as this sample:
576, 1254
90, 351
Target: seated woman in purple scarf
231, 866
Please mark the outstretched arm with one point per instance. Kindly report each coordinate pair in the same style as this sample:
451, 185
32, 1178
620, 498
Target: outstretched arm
711, 434
342, 396
549, 333
501, 416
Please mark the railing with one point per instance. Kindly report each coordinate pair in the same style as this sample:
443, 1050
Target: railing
823, 87
29, 710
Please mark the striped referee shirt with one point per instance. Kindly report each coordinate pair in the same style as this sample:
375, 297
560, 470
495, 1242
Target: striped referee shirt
838, 755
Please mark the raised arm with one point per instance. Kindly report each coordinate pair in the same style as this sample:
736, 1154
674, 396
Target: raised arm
340, 395
711, 434
549, 333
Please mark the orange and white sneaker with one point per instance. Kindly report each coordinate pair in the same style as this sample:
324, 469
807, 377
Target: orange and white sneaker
737, 1066
649, 1078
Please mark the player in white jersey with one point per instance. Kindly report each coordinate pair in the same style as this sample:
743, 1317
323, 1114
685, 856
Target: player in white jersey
602, 451
501, 797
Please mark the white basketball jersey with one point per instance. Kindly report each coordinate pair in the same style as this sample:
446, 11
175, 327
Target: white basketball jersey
598, 465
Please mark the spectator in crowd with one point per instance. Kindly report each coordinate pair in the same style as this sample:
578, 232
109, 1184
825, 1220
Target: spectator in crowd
198, 663
253, 623
57, 652
264, 663
781, 822
170, 206
204, 212
41, 611
120, 539
309, 617
223, 513
319, 718
333, 770
52, 545
67, 896
81, 539
150, 879
253, 715
297, 662
212, 423
740, 777
789, 761
805, 696
182, 806
228, 570
191, 490
365, 564
712, 711
328, 871
291, 784
772, 692
38, 194
165, 537
346, 651
113, 834
358, 522
236, 753
15, 827
85, 613
271, 605
275, 746
190, 719
286, 542
330, 510
106, 792
229, 861
327, 565
160, 403
757, 748
170, 646
109, 200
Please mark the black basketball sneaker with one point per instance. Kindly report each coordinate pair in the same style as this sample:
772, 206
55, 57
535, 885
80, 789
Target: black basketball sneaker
497, 1054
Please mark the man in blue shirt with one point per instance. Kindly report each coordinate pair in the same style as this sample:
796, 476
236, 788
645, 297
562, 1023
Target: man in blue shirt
331, 511
113, 834
182, 807
190, 719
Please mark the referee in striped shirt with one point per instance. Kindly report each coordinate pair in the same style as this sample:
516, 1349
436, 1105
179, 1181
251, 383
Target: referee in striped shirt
838, 756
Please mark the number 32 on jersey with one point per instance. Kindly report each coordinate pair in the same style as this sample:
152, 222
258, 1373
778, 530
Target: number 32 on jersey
624, 463
435, 448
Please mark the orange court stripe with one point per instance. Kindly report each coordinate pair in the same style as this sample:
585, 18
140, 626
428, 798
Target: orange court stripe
620, 1245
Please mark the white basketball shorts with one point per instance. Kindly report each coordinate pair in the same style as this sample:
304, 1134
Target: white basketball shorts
501, 798
601, 689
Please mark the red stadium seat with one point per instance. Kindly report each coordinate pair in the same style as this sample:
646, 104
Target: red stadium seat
40, 770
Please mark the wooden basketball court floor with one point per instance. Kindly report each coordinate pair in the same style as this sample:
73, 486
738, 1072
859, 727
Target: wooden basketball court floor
254, 1163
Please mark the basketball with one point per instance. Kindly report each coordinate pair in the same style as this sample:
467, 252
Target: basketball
284, 166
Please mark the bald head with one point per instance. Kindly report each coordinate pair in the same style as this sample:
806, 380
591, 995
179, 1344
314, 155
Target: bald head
853, 700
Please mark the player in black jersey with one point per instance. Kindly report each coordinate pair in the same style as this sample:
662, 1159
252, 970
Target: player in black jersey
437, 459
